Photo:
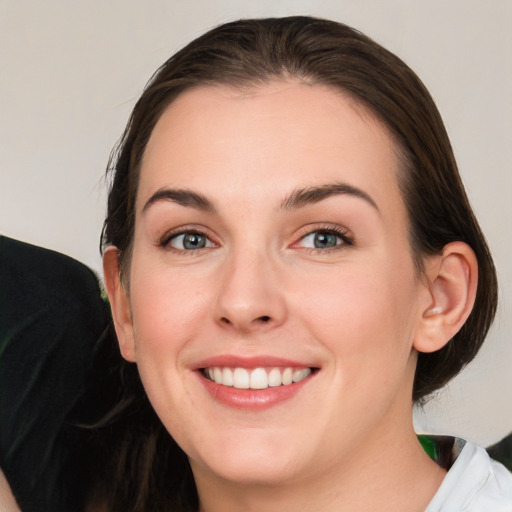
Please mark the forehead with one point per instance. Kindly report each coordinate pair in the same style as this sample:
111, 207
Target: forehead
270, 138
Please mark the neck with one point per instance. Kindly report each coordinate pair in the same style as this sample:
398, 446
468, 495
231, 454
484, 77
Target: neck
386, 472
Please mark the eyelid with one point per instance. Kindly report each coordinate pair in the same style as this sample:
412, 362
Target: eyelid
174, 239
343, 233
165, 239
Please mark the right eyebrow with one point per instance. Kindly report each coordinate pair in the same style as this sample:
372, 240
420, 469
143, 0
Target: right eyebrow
182, 197
310, 195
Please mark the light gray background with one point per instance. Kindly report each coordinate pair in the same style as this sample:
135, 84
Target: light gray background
71, 71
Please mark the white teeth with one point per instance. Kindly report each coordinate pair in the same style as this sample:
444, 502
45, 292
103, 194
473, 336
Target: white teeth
227, 377
299, 375
217, 375
287, 377
258, 378
274, 378
241, 378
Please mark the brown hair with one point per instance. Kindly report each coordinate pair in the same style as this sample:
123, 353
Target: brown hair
250, 52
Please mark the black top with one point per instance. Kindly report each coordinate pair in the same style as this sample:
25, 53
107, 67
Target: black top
52, 356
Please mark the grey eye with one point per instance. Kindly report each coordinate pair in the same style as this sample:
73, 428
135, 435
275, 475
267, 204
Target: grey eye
321, 240
190, 241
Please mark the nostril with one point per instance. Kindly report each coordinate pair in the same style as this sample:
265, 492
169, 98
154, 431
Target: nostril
264, 319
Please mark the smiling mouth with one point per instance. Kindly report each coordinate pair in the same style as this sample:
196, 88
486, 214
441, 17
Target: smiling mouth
257, 378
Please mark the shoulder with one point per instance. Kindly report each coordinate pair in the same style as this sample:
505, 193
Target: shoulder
51, 277
54, 355
7, 500
474, 483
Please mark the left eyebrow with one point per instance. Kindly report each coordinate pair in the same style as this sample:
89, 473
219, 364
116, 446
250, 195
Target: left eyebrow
182, 197
309, 195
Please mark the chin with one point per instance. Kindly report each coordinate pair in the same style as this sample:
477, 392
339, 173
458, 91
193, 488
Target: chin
253, 471
251, 462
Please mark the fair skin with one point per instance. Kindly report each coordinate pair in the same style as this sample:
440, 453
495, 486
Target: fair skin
7, 499
270, 233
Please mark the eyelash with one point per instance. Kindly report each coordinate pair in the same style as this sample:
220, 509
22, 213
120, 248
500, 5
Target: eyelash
346, 239
165, 241
343, 235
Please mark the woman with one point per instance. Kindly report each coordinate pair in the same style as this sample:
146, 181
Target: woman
291, 261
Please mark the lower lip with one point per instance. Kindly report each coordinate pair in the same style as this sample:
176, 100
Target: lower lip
253, 399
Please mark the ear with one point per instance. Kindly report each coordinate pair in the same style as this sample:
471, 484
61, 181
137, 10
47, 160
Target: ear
119, 303
452, 282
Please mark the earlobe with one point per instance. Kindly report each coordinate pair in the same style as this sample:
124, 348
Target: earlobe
119, 303
453, 279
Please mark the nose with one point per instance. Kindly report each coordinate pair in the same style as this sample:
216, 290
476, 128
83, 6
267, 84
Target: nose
251, 296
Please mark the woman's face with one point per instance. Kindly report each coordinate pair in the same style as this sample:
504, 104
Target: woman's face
271, 240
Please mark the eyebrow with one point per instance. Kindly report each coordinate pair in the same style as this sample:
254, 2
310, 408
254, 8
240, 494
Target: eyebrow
297, 199
310, 195
182, 197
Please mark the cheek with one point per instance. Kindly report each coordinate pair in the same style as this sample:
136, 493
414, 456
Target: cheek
169, 312
365, 319
168, 309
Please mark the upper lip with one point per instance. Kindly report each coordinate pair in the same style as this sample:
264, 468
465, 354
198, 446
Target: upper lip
233, 361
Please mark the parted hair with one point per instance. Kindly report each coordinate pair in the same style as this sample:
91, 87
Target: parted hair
247, 53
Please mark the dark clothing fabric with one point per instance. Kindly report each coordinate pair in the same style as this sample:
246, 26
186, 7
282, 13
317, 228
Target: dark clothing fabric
52, 342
